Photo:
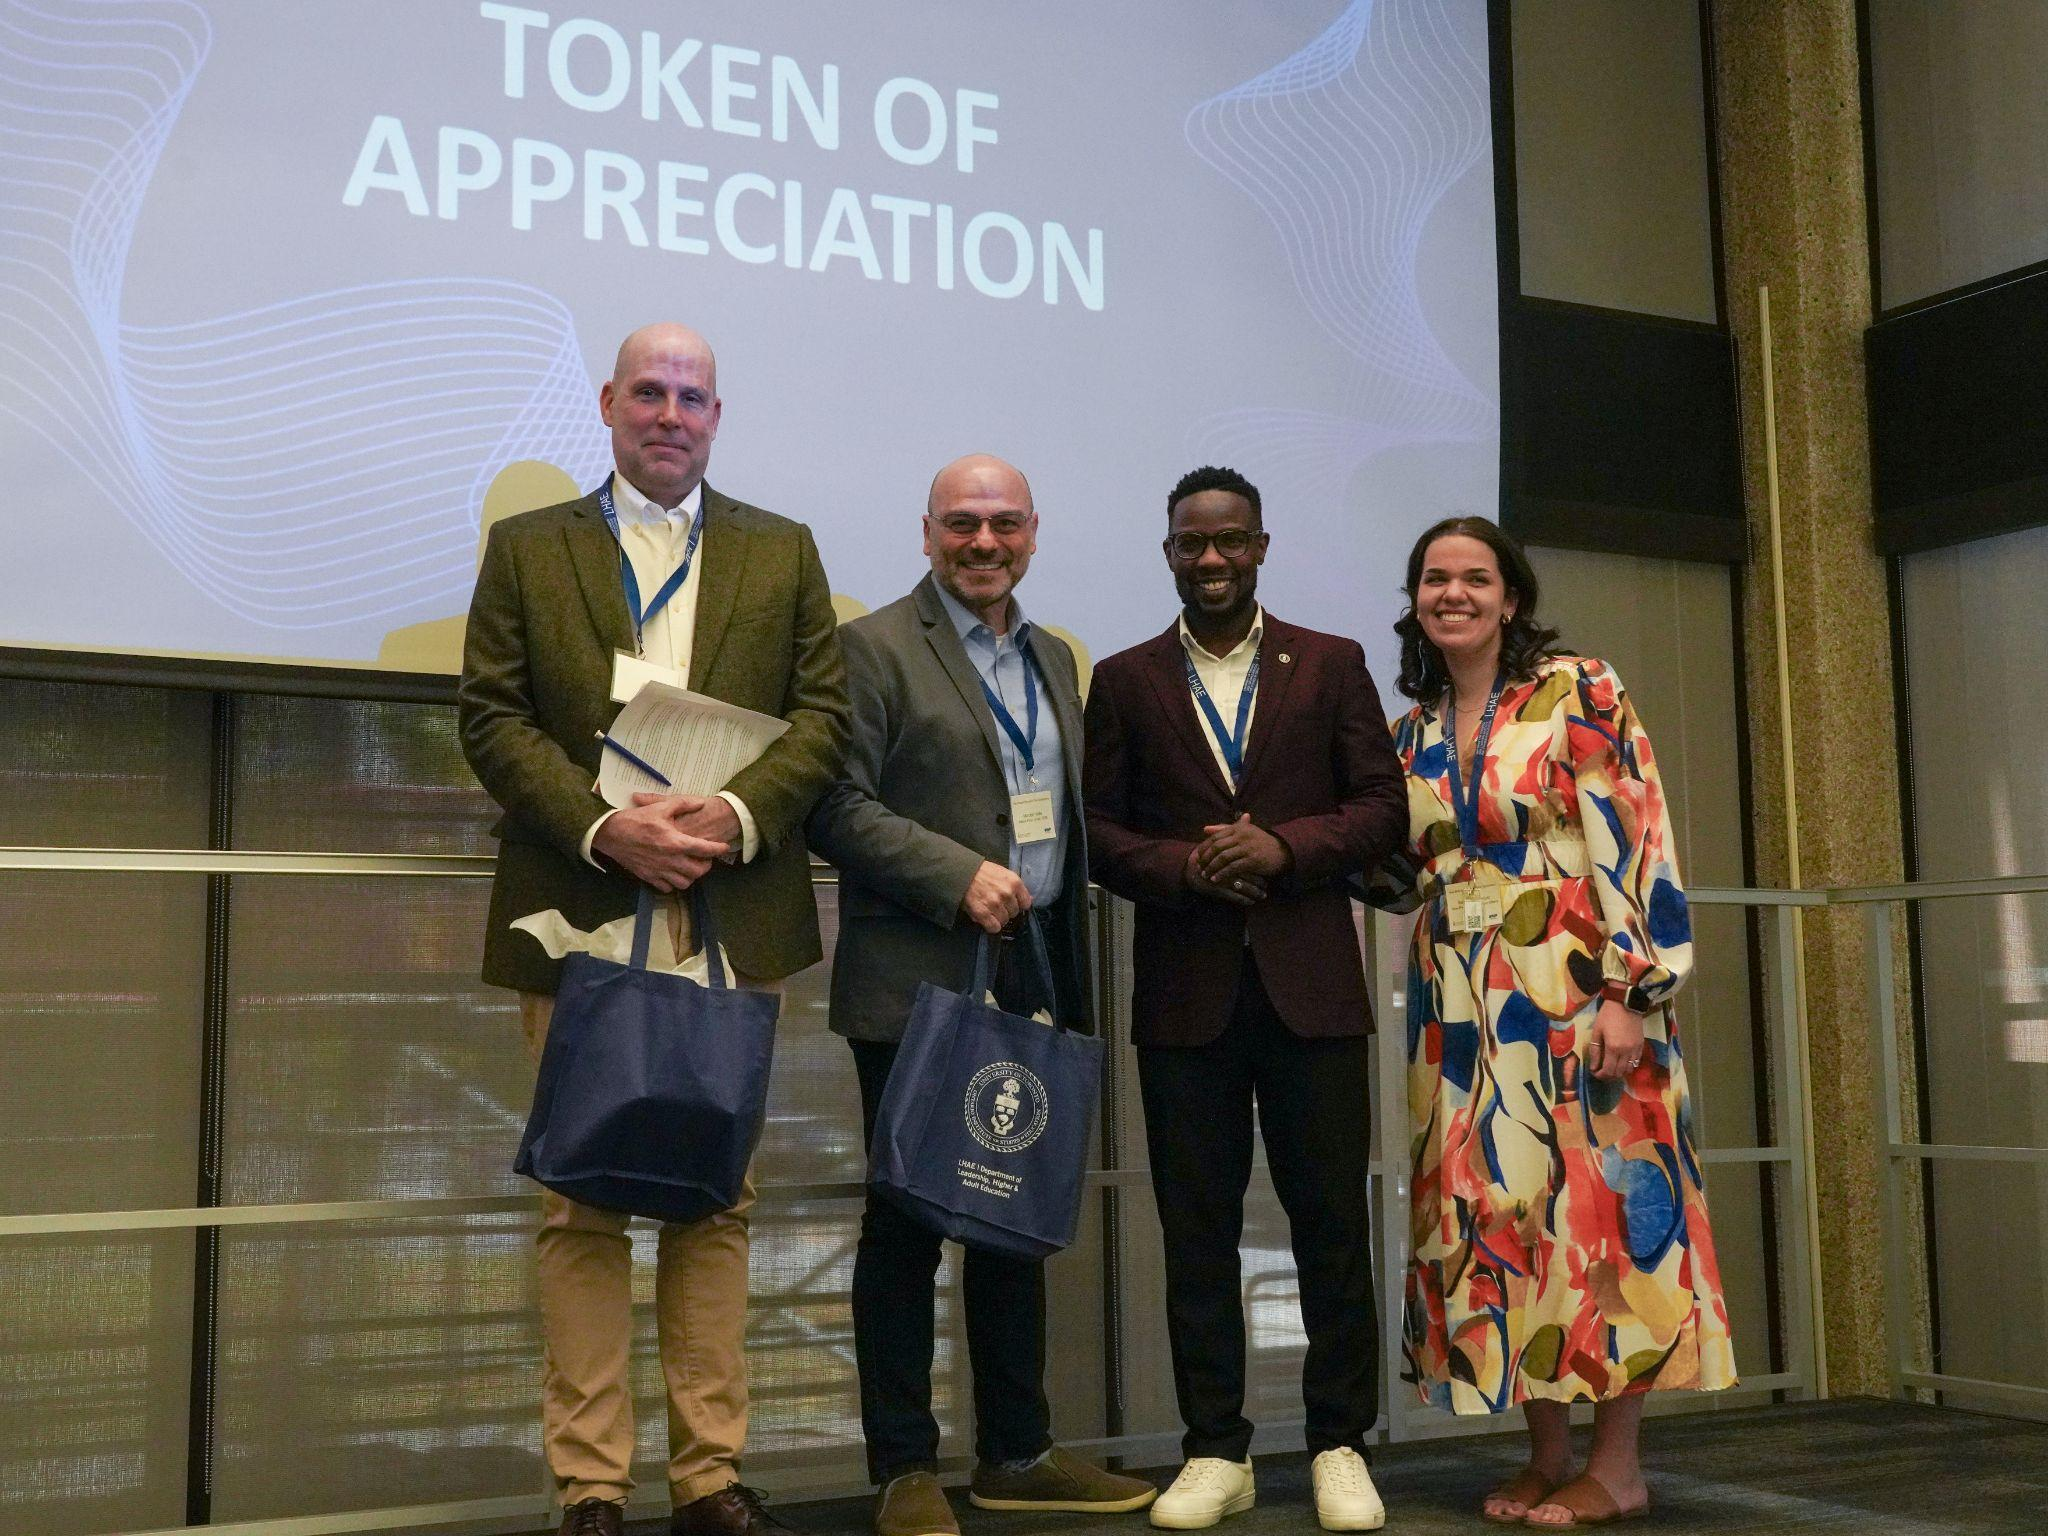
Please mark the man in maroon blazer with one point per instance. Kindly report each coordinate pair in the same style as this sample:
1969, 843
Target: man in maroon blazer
1237, 769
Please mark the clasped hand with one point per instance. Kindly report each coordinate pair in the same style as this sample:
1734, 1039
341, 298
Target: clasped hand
1236, 862
669, 841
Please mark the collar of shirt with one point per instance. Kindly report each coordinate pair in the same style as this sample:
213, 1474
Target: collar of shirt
1242, 651
966, 621
634, 507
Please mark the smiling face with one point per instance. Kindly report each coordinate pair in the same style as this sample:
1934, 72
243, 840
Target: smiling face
1460, 599
662, 405
980, 531
1215, 546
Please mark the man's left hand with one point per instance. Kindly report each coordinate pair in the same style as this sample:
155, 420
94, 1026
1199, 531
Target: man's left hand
711, 817
1232, 850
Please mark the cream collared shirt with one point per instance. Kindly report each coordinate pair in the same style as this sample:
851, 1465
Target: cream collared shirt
654, 538
1224, 677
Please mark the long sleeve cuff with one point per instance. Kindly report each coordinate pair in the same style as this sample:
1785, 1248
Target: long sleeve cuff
1640, 985
590, 838
750, 835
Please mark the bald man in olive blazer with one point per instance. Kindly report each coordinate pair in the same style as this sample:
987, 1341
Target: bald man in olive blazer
749, 620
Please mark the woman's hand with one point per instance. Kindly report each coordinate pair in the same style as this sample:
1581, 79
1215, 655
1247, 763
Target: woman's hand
1614, 1046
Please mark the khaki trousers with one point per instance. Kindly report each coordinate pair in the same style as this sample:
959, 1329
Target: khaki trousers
586, 1310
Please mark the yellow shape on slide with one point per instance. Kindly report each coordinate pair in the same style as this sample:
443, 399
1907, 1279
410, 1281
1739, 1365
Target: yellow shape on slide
1084, 664
436, 645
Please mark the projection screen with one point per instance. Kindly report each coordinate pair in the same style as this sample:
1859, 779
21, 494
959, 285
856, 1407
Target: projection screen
294, 299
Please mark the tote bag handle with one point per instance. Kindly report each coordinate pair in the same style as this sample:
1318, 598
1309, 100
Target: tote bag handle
700, 919
984, 965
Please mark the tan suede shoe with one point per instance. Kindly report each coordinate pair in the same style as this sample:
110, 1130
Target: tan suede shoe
914, 1505
1059, 1480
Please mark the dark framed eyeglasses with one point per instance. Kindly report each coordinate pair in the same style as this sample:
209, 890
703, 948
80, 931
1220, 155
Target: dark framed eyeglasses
1231, 543
965, 525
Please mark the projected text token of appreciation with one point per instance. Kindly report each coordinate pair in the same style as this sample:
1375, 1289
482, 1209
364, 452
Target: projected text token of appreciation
697, 743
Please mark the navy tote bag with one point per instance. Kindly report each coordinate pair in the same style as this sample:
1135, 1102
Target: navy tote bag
983, 1130
652, 1088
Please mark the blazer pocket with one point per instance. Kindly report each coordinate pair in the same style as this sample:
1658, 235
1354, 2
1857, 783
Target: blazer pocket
758, 613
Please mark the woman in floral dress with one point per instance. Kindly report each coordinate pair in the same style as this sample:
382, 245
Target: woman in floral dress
1560, 1236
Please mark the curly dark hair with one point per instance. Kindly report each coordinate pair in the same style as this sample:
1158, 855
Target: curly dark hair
1523, 643
1214, 477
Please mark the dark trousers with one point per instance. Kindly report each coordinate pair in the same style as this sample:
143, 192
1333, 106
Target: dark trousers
895, 1272
1314, 1108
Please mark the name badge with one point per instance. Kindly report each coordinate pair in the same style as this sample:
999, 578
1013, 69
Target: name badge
1031, 817
1474, 909
631, 673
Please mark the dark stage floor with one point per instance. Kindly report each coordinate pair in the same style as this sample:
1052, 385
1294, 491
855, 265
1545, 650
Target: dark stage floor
1885, 1469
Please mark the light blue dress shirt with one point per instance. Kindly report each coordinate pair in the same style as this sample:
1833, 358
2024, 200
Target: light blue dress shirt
1000, 659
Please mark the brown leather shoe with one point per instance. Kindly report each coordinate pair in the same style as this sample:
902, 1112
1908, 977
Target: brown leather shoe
593, 1517
735, 1510
914, 1505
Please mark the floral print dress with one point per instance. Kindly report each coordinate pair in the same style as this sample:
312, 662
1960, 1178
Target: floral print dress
1559, 1229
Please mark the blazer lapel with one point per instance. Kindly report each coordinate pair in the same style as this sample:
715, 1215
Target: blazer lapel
1167, 667
594, 556
945, 643
1276, 677
723, 552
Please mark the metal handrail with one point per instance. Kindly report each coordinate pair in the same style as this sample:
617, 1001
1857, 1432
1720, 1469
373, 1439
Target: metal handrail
239, 861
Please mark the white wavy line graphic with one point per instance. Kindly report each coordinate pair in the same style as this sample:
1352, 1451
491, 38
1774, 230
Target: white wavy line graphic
311, 462
1347, 147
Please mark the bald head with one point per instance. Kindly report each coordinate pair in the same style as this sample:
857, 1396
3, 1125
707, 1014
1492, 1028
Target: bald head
663, 338
980, 531
974, 471
662, 405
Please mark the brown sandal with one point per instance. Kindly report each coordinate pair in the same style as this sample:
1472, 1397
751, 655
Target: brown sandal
1527, 1488
1589, 1503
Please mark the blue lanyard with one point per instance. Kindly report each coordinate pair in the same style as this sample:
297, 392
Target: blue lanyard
642, 617
1232, 742
1466, 806
1026, 740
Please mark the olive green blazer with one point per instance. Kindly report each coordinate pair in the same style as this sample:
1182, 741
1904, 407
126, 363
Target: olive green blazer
536, 689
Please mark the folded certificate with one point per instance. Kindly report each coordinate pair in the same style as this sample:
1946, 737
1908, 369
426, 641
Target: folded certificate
696, 743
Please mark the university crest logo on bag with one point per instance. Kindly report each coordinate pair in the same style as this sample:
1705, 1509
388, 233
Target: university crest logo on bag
1007, 1106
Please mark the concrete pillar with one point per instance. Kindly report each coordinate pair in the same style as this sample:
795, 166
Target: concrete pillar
1788, 109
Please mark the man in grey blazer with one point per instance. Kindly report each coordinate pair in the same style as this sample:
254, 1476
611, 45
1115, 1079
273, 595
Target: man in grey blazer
958, 811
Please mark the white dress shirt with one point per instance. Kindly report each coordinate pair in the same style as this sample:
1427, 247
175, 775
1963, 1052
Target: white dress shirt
1224, 677
654, 539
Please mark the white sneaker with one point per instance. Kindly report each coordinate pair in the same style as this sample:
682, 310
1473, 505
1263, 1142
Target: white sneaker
1345, 1497
1207, 1489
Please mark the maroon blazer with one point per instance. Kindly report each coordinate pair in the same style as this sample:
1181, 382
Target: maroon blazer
1320, 774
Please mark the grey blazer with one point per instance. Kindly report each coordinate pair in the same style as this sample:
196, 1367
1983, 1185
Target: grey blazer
920, 803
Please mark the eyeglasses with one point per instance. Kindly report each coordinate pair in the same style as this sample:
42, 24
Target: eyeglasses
965, 525
1230, 543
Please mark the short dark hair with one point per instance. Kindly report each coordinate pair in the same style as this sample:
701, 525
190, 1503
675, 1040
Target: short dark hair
1523, 642
1214, 477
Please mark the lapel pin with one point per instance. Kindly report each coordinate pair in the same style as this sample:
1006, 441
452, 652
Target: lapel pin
1284, 657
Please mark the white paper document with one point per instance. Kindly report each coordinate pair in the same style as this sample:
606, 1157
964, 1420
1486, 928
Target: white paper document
696, 743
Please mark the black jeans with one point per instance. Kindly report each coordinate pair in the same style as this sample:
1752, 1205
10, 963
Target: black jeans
895, 1270
1314, 1108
